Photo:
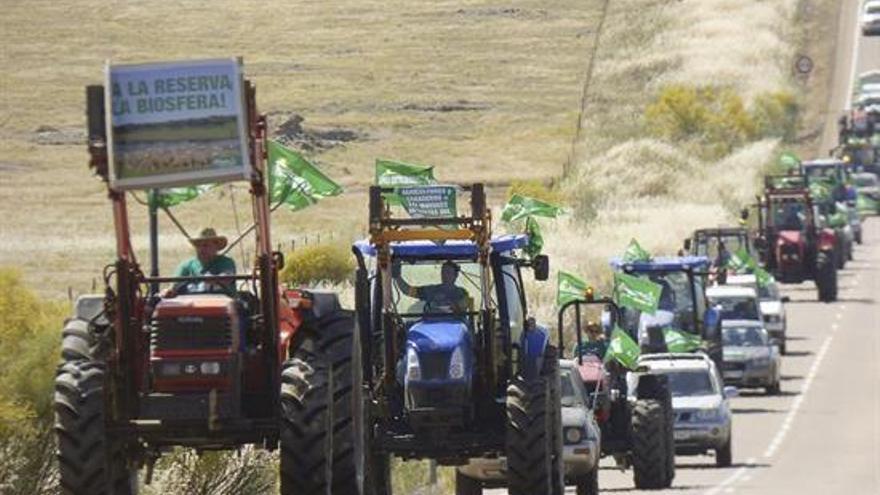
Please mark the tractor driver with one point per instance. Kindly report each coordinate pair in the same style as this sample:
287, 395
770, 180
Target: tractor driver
207, 261
443, 295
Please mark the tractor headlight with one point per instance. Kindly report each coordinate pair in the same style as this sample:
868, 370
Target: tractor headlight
456, 364
707, 414
413, 370
210, 368
573, 435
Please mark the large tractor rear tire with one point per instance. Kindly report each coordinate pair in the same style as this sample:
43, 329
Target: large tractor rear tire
317, 440
589, 484
649, 451
90, 460
826, 277
465, 485
656, 387
531, 433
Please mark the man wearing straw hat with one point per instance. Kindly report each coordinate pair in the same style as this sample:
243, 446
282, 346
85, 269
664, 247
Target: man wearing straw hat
207, 261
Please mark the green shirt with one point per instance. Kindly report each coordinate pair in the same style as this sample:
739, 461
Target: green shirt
220, 265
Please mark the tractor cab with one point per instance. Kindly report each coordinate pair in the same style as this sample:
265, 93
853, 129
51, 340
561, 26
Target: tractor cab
444, 305
793, 241
447, 347
831, 173
683, 304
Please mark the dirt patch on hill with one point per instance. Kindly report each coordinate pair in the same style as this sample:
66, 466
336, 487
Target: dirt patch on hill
288, 129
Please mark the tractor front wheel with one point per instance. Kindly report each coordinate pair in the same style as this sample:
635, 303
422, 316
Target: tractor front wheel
649, 451
826, 277
317, 439
90, 459
533, 459
465, 485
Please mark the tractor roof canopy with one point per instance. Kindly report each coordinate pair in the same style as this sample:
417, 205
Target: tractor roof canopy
662, 264
449, 249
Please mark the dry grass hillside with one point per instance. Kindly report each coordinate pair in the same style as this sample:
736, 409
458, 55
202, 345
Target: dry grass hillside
484, 90
632, 180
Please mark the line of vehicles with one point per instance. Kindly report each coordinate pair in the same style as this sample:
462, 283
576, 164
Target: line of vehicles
441, 357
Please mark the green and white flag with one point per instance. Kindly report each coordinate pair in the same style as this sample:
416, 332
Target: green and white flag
166, 198
681, 341
390, 173
636, 292
520, 207
569, 288
623, 349
789, 161
523, 207
635, 252
536, 239
742, 262
295, 181
866, 204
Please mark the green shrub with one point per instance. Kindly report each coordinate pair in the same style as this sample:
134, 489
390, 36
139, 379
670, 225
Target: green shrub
775, 115
717, 117
249, 470
30, 334
714, 115
319, 263
535, 189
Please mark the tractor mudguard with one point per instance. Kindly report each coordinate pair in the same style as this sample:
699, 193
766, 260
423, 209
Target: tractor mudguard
533, 344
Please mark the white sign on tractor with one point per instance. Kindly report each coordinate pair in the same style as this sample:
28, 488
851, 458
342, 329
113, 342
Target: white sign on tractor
175, 123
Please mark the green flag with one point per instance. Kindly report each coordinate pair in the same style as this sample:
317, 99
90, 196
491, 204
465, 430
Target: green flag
635, 252
623, 349
519, 207
789, 161
166, 198
681, 341
821, 189
569, 288
742, 262
636, 292
295, 181
866, 204
536, 239
390, 173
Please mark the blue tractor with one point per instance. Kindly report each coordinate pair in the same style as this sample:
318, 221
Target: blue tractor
449, 365
683, 304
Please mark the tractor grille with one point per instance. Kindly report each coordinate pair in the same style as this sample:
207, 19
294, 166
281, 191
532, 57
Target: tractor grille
434, 365
183, 333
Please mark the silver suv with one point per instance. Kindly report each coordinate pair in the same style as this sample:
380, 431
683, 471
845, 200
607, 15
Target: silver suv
701, 403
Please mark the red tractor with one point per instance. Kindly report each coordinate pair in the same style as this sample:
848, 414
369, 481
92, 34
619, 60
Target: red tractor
793, 243
211, 369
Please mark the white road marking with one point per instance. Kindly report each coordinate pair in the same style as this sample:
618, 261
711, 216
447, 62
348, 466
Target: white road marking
739, 473
796, 403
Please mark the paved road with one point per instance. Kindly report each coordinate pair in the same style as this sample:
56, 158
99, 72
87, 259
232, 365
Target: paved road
822, 434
